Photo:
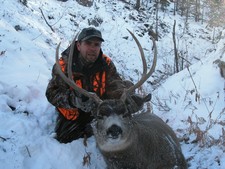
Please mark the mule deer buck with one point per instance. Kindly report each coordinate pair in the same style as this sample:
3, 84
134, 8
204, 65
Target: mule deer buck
131, 141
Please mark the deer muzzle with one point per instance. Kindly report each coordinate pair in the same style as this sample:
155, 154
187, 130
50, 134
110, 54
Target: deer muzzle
114, 131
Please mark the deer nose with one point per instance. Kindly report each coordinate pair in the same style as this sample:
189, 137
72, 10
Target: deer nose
114, 131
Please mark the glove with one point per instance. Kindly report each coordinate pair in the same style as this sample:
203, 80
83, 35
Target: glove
135, 102
83, 103
85, 106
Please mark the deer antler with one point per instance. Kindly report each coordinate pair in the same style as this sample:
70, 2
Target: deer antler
69, 80
145, 75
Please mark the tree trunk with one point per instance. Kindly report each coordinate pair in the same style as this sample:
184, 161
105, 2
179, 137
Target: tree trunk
175, 48
157, 19
138, 4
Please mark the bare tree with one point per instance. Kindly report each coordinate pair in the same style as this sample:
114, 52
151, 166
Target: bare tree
216, 13
157, 17
197, 10
138, 4
175, 48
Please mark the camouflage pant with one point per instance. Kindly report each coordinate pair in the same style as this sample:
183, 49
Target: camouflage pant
69, 130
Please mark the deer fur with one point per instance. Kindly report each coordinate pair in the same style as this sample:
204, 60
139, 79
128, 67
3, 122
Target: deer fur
140, 141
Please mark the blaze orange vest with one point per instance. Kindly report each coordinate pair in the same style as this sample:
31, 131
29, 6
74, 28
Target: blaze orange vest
73, 113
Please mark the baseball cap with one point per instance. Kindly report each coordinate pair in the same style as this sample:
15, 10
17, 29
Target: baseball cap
88, 33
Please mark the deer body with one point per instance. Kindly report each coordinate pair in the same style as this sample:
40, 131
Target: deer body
130, 141
141, 141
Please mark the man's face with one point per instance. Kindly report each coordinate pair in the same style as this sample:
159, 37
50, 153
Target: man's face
89, 49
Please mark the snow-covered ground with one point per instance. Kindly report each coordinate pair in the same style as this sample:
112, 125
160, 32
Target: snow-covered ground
191, 101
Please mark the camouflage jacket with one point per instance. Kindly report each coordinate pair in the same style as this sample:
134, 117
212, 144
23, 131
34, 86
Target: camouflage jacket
60, 94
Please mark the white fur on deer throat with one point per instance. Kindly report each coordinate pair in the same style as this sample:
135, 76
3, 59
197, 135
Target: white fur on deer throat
109, 144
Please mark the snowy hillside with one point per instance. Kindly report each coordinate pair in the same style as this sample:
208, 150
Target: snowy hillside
191, 101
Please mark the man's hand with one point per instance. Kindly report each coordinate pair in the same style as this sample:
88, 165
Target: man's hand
81, 102
86, 105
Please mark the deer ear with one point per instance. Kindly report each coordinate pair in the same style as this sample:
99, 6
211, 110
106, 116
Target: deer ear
148, 98
135, 102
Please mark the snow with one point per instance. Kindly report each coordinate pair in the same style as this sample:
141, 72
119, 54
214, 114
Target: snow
27, 56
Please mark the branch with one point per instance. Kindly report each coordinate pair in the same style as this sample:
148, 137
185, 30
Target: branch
46, 20
4, 139
28, 151
197, 95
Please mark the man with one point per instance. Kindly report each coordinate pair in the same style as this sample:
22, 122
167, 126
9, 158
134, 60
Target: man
92, 71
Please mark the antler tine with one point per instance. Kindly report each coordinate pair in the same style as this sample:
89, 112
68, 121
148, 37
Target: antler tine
141, 52
70, 59
145, 75
70, 81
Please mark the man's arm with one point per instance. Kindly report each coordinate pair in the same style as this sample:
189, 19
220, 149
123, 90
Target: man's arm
116, 87
61, 95
114, 83
58, 92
